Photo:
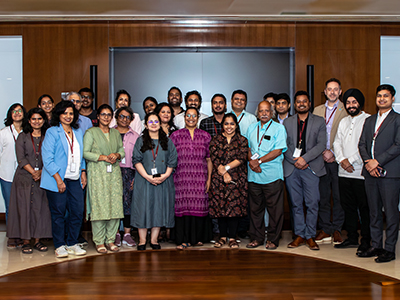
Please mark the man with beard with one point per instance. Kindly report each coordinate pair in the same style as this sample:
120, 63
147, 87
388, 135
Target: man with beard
333, 112
87, 105
351, 183
303, 166
239, 102
213, 124
192, 99
379, 147
174, 98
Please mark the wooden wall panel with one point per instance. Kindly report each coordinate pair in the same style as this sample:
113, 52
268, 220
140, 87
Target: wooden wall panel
11, 29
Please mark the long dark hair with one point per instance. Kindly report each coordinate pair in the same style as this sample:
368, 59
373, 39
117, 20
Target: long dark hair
44, 96
233, 116
148, 143
59, 109
8, 120
36, 110
171, 124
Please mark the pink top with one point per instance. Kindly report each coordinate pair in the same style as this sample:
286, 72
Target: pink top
129, 143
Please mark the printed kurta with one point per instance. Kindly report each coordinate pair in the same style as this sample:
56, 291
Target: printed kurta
228, 199
104, 189
190, 176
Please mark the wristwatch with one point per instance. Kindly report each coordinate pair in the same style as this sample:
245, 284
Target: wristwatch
227, 168
260, 161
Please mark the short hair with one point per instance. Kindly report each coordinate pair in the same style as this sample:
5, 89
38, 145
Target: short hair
8, 120
87, 90
149, 98
103, 107
44, 96
283, 96
270, 94
240, 92
197, 111
218, 95
233, 116
301, 93
194, 92
175, 88
119, 93
59, 109
125, 108
73, 93
332, 80
36, 110
388, 87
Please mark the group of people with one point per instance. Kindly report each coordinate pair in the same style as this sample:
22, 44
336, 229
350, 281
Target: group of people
192, 174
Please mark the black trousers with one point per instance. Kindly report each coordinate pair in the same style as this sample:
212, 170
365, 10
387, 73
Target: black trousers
228, 227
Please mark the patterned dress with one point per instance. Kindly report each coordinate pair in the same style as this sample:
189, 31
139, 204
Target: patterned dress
228, 200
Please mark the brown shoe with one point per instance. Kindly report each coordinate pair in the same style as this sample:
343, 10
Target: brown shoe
297, 242
312, 244
337, 238
323, 237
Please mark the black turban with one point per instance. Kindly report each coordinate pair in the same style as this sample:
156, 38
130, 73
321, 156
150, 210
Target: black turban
356, 93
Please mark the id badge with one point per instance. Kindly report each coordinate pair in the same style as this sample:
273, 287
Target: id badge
73, 168
255, 156
109, 168
123, 161
154, 171
36, 169
297, 152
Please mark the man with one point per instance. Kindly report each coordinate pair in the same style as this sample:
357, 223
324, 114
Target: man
271, 98
123, 99
174, 98
282, 107
239, 102
87, 105
84, 122
333, 111
267, 142
379, 147
303, 166
213, 124
192, 99
351, 183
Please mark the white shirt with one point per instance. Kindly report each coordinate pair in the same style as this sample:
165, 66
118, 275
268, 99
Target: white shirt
76, 159
8, 157
345, 144
136, 123
179, 120
379, 121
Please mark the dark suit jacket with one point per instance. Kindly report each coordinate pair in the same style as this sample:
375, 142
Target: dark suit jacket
315, 144
387, 144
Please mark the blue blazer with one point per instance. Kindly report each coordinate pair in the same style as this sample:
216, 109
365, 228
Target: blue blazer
55, 156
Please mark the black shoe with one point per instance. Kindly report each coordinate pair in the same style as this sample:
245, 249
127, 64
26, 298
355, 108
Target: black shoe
364, 246
141, 247
371, 252
386, 256
155, 246
347, 244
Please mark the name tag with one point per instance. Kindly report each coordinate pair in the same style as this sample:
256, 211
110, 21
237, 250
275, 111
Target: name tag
255, 156
297, 152
154, 171
109, 168
73, 168
123, 161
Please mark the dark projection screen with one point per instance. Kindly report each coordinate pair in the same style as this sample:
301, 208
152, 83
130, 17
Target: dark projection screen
151, 72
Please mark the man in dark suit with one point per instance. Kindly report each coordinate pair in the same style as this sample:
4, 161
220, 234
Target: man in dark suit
303, 165
379, 147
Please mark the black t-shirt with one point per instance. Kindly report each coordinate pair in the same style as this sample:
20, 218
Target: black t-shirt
93, 117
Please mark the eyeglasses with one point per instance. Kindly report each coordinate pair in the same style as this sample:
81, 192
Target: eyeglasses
152, 122
194, 116
17, 111
76, 101
122, 117
86, 97
106, 115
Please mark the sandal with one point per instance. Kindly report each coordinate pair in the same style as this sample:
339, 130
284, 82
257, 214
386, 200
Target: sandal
220, 243
101, 249
40, 247
233, 244
27, 249
112, 247
11, 244
183, 246
270, 246
199, 244
253, 244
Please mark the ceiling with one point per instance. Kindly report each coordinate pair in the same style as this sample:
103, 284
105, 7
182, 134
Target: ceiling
285, 10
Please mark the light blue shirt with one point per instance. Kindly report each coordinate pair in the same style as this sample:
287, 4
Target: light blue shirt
329, 114
84, 124
272, 170
245, 119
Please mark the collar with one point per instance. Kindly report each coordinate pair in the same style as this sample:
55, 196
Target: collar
333, 107
265, 125
385, 114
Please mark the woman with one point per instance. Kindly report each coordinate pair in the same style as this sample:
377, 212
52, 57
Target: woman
29, 209
64, 178
46, 103
129, 137
149, 104
166, 114
192, 180
154, 158
228, 191
103, 149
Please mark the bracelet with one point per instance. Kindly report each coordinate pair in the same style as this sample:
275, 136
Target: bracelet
83, 171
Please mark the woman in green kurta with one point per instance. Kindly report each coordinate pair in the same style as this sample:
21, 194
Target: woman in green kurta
103, 149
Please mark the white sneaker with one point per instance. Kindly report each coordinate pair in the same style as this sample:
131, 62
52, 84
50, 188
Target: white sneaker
75, 250
61, 252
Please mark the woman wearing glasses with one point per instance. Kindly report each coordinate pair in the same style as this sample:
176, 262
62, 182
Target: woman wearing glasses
124, 115
103, 149
154, 158
192, 181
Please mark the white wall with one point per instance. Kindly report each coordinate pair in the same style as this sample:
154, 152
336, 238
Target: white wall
10, 79
390, 65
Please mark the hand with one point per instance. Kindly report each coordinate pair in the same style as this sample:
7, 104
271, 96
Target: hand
131, 186
328, 156
221, 170
61, 187
300, 163
112, 158
345, 164
255, 166
36, 175
374, 173
161, 179
371, 164
152, 180
83, 179
208, 182
227, 178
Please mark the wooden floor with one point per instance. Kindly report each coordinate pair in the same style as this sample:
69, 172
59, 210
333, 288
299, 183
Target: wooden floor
198, 274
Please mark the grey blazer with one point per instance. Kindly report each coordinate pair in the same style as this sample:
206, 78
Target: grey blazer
315, 144
387, 144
